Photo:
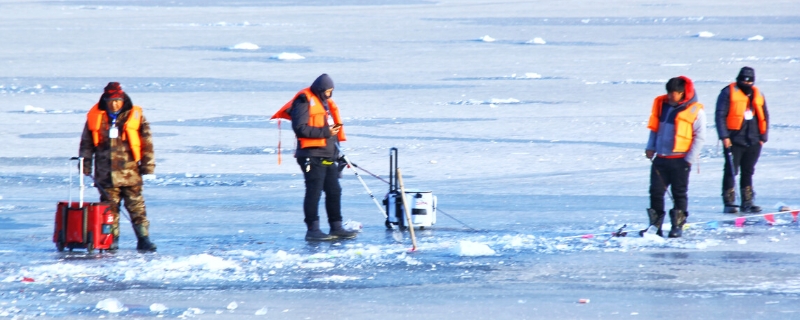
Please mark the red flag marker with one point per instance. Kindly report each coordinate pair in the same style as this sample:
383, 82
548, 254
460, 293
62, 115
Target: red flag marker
587, 236
794, 216
739, 222
770, 218
26, 279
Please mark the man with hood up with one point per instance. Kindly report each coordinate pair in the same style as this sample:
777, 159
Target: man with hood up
677, 132
742, 124
318, 126
117, 137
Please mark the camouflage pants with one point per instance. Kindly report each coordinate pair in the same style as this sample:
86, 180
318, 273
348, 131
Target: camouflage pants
134, 203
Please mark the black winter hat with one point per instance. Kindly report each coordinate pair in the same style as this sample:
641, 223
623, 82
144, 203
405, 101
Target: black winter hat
747, 74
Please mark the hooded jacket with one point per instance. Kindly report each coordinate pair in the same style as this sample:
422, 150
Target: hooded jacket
115, 162
679, 130
747, 132
312, 115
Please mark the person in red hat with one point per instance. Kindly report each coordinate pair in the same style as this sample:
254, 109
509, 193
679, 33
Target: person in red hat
117, 137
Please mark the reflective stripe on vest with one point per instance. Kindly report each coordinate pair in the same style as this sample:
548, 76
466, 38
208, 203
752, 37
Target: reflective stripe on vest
317, 116
738, 105
684, 121
130, 130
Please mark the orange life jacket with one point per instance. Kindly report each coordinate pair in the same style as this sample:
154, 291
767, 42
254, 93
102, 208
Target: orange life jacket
684, 121
130, 130
739, 103
317, 115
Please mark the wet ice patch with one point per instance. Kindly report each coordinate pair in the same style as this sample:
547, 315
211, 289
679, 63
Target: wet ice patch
287, 56
472, 249
473, 102
336, 279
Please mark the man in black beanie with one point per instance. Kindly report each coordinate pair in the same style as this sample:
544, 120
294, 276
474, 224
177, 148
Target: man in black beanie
742, 124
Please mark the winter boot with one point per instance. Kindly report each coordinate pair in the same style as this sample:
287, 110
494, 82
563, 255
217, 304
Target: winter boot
143, 235
729, 198
656, 219
114, 244
144, 244
338, 231
678, 219
747, 201
315, 234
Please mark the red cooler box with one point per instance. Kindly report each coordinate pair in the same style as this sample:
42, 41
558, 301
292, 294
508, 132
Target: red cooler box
82, 224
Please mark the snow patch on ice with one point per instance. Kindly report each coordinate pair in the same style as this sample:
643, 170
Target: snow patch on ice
486, 38
472, 249
245, 46
157, 307
705, 34
536, 40
111, 305
756, 38
287, 56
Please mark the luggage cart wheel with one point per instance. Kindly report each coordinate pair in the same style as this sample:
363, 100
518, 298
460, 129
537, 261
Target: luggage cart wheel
388, 225
90, 244
60, 246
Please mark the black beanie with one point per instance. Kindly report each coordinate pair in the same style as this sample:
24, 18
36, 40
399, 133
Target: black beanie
747, 74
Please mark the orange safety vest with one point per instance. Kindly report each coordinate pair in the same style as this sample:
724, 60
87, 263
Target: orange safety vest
130, 130
683, 123
739, 103
317, 115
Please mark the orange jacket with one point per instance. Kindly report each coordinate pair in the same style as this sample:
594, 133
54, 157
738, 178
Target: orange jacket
317, 115
96, 120
683, 123
738, 105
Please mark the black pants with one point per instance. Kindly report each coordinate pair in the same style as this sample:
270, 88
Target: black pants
320, 177
744, 160
665, 173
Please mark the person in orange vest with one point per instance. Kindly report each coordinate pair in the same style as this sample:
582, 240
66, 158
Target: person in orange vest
318, 126
677, 131
742, 124
117, 137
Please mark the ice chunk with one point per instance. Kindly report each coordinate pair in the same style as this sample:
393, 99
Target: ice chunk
232, 306
262, 311
351, 225
245, 46
111, 305
537, 40
472, 249
705, 34
486, 39
157, 307
755, 38
32, 109
287, 56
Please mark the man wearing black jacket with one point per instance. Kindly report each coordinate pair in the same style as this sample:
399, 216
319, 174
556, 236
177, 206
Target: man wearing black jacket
742, 123
318, 126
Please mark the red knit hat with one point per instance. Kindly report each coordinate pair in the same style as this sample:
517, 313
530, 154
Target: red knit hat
113, 91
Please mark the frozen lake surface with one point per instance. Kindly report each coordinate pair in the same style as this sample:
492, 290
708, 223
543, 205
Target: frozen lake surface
526, 120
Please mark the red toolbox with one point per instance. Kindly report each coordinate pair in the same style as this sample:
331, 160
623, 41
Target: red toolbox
85, 225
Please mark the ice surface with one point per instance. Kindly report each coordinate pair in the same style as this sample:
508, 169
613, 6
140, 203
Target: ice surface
534, 152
